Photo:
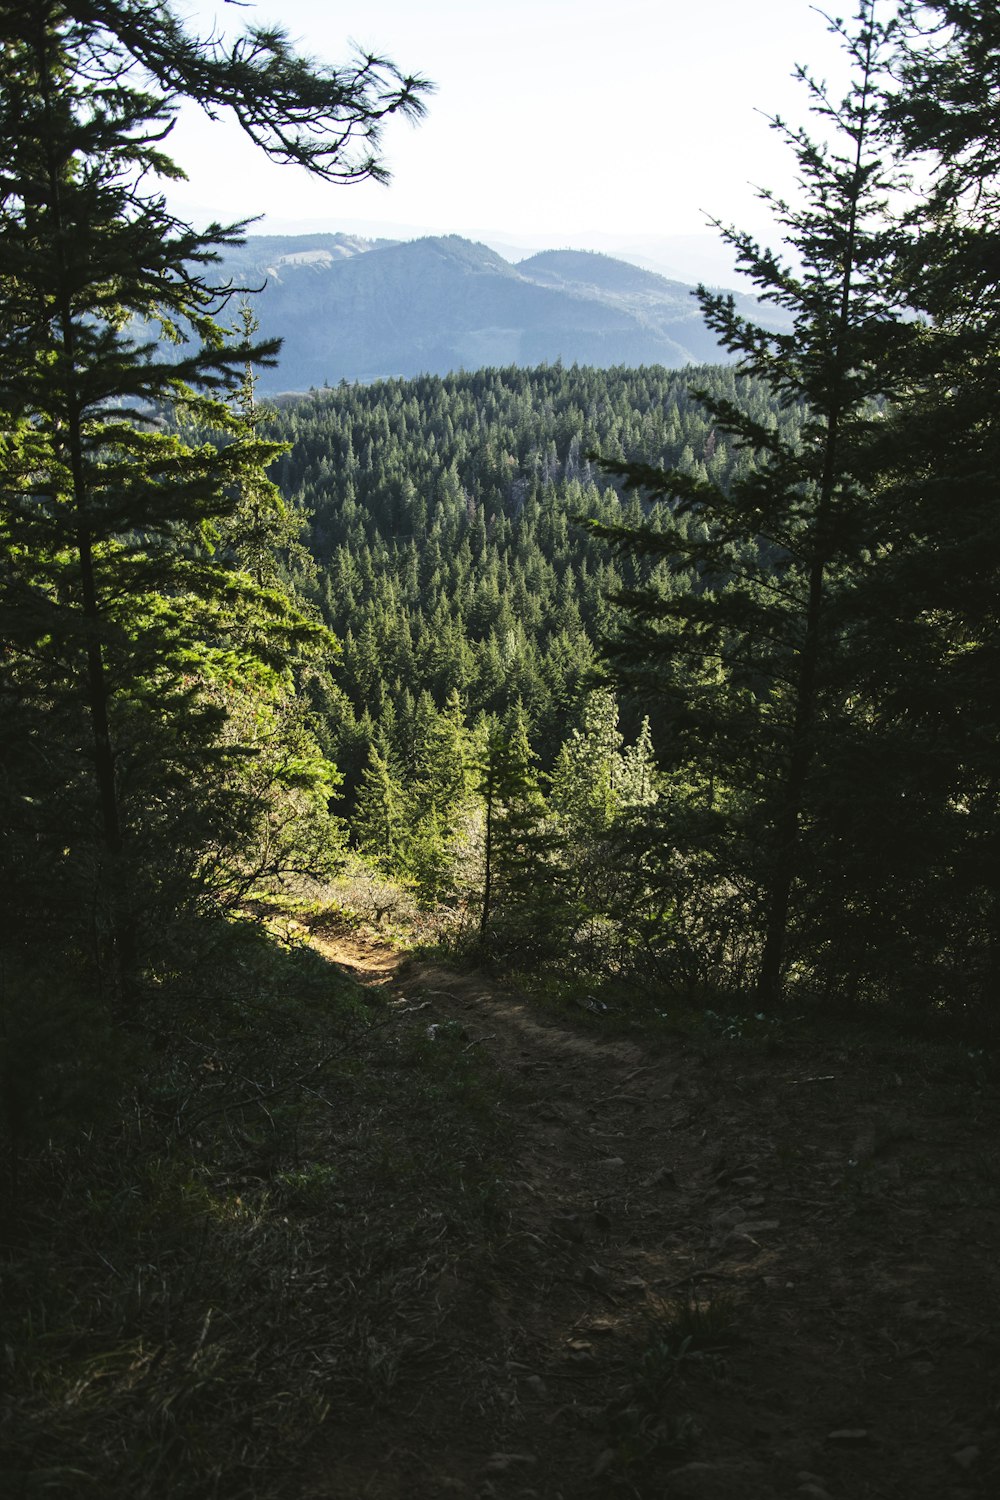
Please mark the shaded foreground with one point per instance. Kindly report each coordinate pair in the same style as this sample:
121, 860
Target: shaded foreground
370, 1230
752, 1267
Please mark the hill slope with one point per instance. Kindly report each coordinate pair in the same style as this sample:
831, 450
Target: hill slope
353, 309
703, 1285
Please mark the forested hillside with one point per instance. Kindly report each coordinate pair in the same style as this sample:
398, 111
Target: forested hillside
668, 701
444, 525
354, 309
452, 564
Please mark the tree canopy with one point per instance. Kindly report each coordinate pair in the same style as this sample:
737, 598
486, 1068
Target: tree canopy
830, 670
155, 744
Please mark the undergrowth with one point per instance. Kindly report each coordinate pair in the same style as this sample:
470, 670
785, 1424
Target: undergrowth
649, 1424
239, 1251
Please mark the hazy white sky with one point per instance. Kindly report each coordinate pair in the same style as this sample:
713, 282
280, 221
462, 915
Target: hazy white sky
554, 120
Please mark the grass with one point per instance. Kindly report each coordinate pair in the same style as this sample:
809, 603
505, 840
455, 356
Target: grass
649, 1425
197, 1283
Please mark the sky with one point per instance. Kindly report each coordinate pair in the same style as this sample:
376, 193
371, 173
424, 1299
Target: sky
592, 124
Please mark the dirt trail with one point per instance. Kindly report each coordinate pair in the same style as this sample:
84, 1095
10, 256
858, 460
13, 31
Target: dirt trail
831, 1213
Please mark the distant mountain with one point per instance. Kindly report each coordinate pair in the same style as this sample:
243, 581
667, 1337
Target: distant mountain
354, 309
598, 274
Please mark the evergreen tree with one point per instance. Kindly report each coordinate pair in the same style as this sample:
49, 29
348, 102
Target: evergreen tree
262, 534
381, 822
929, 681
517, 844
638, 777
751, 657
122, 633
585, 791
440, 791
596, 788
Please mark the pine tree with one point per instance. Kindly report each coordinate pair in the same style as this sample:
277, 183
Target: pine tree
585, 792
122, 633
749, 657
930, 678
262, 534
638, 778
381, 820
517, 842
440, 789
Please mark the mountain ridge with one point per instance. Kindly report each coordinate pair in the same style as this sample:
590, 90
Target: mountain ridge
351, 309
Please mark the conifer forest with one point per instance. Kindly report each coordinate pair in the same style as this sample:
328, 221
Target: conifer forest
356, 742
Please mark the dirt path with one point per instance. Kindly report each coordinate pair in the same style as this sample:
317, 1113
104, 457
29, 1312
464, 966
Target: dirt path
740, 1271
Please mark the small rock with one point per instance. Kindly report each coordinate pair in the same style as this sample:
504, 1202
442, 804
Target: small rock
757, 1226
499, 1463
730, 1174
966, 1457
597, 1277
546, 1110
736, 1243
591, 1003
536, 1385
604, 1462
848, 1435
633, 1284
612, 1161
662, 1177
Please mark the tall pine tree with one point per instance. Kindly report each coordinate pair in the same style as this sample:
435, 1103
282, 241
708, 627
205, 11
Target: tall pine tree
125, 640
751, 658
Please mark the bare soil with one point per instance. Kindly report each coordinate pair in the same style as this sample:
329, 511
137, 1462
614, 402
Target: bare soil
722, 1269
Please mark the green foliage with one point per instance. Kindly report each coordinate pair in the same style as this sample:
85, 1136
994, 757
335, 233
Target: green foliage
802, 589
448, 562
809, 649
925, 831
441, 525
381, 818
518, 913
156, 749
